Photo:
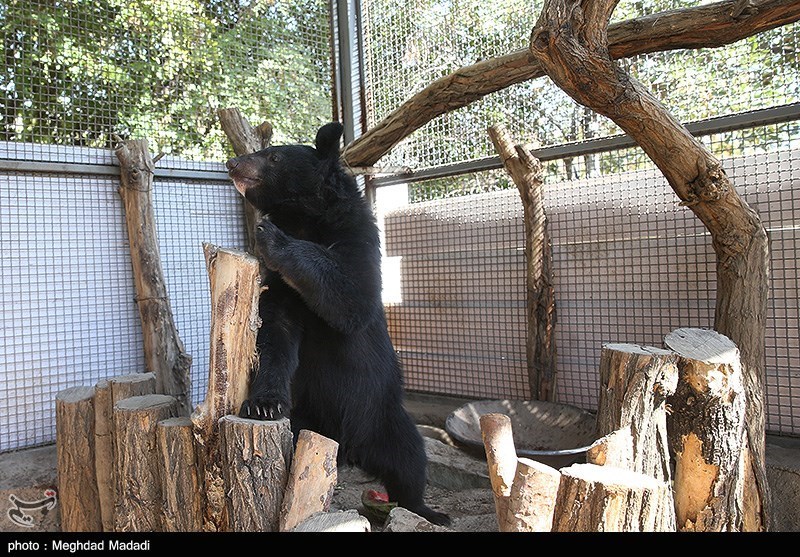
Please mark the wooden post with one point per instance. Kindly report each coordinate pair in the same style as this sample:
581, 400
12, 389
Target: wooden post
257, 456
163, 350
526, 172
635, 382
180, 478
532, 498
138, 507
708, 435
595, 498
245, 139
312, 479
77, 483
107, 393
501, 458
235, 289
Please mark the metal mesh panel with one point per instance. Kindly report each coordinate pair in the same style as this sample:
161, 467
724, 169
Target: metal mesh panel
77, 74
409, 47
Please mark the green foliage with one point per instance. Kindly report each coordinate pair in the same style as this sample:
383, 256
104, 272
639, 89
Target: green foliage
77, 71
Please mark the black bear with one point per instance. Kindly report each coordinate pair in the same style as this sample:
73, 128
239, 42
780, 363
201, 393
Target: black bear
325, 356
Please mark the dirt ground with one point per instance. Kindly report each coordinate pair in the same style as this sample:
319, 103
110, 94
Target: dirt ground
471, 510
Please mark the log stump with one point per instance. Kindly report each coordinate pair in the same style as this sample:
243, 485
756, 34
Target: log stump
139, 507
501, 458
532, 498
180, 478
75, 448
257, 456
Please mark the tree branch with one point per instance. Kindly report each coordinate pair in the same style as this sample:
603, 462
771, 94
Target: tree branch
700, 27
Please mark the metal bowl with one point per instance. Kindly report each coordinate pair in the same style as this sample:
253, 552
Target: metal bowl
555, 434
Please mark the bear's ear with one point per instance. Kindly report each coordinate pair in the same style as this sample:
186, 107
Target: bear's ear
327, 141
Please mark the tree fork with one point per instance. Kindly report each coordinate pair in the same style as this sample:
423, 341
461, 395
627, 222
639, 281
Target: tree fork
570, 41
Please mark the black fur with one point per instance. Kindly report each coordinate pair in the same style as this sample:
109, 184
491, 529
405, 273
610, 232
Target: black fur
326, 359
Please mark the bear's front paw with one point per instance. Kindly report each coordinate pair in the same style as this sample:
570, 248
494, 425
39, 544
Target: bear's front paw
264, 409
269, 242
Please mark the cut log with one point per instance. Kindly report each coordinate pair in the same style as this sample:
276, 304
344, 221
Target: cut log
501, 458
235, 289
77, 483
180, 478
595, 498
107, 393
245, 139
532, 498
257, 456
526, 172
708, 436
138, 507
163, 349
635, 382
613, 449
312, 479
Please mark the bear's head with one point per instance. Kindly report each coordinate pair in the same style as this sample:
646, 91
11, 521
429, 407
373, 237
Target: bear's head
287, 175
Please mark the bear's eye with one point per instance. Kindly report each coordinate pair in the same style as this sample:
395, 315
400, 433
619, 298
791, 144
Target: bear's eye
274, 157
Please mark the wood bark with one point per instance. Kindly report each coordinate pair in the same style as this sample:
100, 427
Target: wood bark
245, 139
501, 458
532, 498
635, 382
107, 393
312, 478
570, 41
163, 349
613, 449
257, 456
713, 491
139, 507
235, 289
180, 478
607, 499
697, 27
540, 345
75, 445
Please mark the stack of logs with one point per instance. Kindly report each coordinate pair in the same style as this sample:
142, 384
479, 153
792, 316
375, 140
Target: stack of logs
128, 460
672, 454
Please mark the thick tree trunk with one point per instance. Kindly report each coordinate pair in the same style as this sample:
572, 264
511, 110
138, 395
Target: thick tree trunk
107, 393
713, 490
635, 382
138, 507
245, 139
180, 477
257, 456
607, 499
235, 289
570, 42
540, 346
697, 27
75, 445
163, 350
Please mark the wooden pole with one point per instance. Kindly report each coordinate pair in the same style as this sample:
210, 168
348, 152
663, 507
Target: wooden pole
245, 139
107, 393
312, 479
163, 350
180, 478
635, 382
501, 458
708, 437
526, 172
139, 507
257, 456
595, 498
235, 289
75, 445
